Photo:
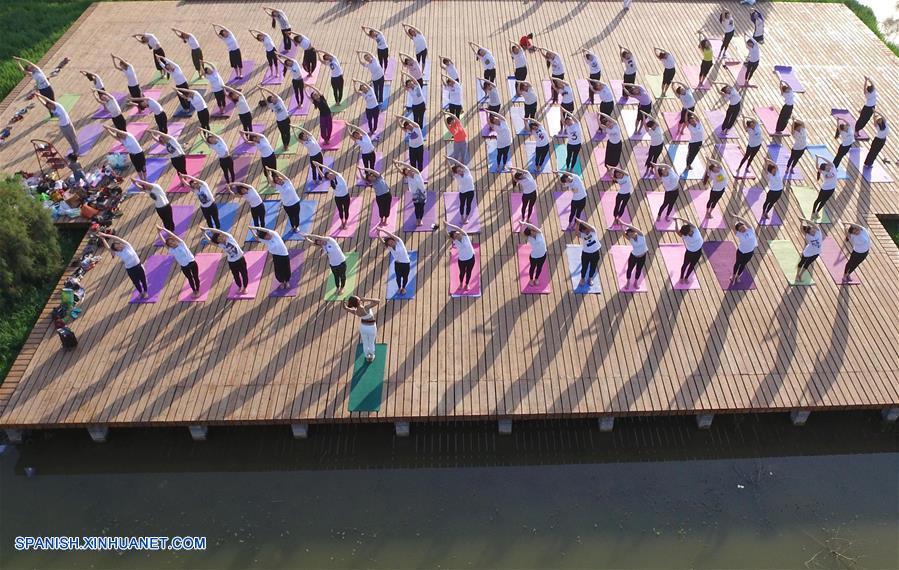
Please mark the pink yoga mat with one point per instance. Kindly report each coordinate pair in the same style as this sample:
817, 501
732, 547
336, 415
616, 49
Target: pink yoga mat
430, 214
136, 129
607, 203
599, 160
755, 199
673, 254
620, 255
255, 265
248, 67
296, 265
875, 174
641, 153
336, 136
375, 220
152, 94
379, 128
524, 263
715, 118
629, 121
721, 255
298, 110
780, 154
181, 215
194, 164
515, 199
157, 268
616, 85
548, 92
738, 70
208, 265
591, 119
322, 185
675, 134
390, 71
174, 131
847, 116
654, 200
455, 285
691, 72
714, 220
788, 75
583, 91
731, 154
352, 224
485, 128
451, 211
834, 255
379, 166
768, 116
242, 164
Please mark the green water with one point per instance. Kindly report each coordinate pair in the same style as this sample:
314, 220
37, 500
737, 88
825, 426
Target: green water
753, 492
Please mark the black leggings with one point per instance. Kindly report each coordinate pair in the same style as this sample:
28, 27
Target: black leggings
823, 197
607, 107
490, 75
795, 155
841, 153
536, 266
310, 60
371, 115
530, 111
621, 201
783, 118
771, 198
528, 201
281, 264
876, 146
343, 207
521, 73
211, 215
165, 214
465, 201
613, 154
384, 201
227, 165
239, 272
315, 163
369, 160
258, 214
162, 122
668, 202
402, 273
183, 101
465, 268
272, 60
418, 113
855, 259
714, 198
203, 118
246, 121
192, 272
179, 163
692, 152
339, 272
863, 117
455, 110
540, 157
653, 155
119, 122
589, 264
573, 152
704, 68
284, 129
419, 208
299, 93
691, 258
751, 66
748, 156
421, 57
635, 263
383, 56
502, 157
293, 215
725, 42
741, 262
378, 86
337, 88
730, 116
417, 157
576, 209
138, 276
806, 261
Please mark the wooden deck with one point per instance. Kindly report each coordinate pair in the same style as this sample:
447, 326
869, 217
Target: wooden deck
503, 355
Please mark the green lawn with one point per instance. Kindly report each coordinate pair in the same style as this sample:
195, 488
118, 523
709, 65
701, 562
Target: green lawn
892, 226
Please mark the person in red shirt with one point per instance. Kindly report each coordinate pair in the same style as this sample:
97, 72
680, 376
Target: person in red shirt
527, 42
460, 138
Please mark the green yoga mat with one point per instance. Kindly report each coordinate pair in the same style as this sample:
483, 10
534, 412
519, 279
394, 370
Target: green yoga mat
158, 79
291, 149
197, 80
368, 380
335, 108
263, 187
67, 100
788, 258
654, 84
561, 152
806, 198
352, 267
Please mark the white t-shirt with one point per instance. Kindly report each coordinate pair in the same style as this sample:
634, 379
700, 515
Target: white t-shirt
339, 186
775, 181
60, 113
204, 195
130, 75
656, 136
312, 146
365, 144
800, 139
527, 185
335, 254
454, 94
131, 145
847, 137
871, 98
154, 106
574, 134
334, 66
670, 181
519, 59
613, 134
538, 245
371, 100
754, 136
578, 190
252, 197
416, 97
182, 254
591, 243
215, 81
192, 42
625, 185
377, 72
197, 101
264, 147
734, 98
464, 248
231, 42
718, 179
381, 41
829, 179
288, 193
112, 107
540, 136
419, 42
275, 244
177, 74
638, 246
128, 256
487, 60
668, 61
415, 138
593, 64
861, 242
687, 99
503, 134
40, 80
400, 253
232, 249
529, 97
630, 66
694, 241
557, 66
812, 244
157, 194
697, 132
465, 181
220, 147
267, 43
746, 240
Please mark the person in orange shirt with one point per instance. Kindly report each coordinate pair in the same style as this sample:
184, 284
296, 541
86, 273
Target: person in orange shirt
460, 138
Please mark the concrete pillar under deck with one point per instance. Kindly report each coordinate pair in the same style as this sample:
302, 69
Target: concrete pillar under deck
14, 435
505, 427
888, 415
402, 429
198, 433
299, 431
704, 421
799, 417
606, 423
98, 433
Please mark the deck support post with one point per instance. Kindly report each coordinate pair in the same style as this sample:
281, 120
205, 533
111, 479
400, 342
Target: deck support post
98, 433
401, 428
606, 423
704, 421
505, 427
14, 435
799, 417
198, 433
299, 431
888, 414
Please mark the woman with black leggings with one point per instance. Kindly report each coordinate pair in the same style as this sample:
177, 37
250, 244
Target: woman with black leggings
636, 260
235, 255
366, 148
623, 196
172, 148
130, 260
734, 105
716, 180
671, 186
465, 254
336, 258
693, 243
280, 256
786, 110
185, 258
859, 239
160, 202
813, 237
574, 184
254, 200
208, 205
656, 144
590, 246
542, 139
880, 139
866, 112
537, 255
775, 188
525, 183
800, 142
341, 194
846, 137
827, 175
465, 185
746, 245
402, 263
753, 144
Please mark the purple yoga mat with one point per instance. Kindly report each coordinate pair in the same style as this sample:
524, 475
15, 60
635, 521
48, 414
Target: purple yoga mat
248, 67
88, 136
224, 114
607, 203
430, 214
242, 164
875, 174
599, 160
834, 256
474, 285
275, 78
150, 93
755, 199
297, 110
738, 70
353, 221
655, 199
174, 131
721, 255
616, 86
136, 129
731, 154
390, 71
296, 265
628, 120
208, 265
181, 215
788, 75
322, 185
620, 255
847, 116
591, 120
715, 118
339, 129
451, 206
157, 268
102, 113
713, 220
673, 254
780, 154
675, 134
583, 91
691, 72
485, 128
515, 199
375, 219
255, 265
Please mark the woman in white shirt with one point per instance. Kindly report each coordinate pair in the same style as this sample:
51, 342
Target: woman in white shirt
623, 196
132, 147
234, 57
524, 90
313, 150
249, 193
813, 237
160, 202
264, 148
241, 107
880, 139
465, 185
130, 75
488, 63
775, 187
130, 260
290, 199
697, 137
280, 18
610, 127
669, 67
465, 250
752, 59
541, 152
95, 79
362, 307
656, 143
716, 179
519, 60
109, 103
746, 245
753, 143
336, 258
846, 138
155, 47
734, 105
590, 246
172, 148
41, 83
827, 175
208, 206
866, 112
786, 110
216, 85
185, 258
179, 79
415, 140
629, 63
63, 121
276, 105
196, 52
380, 44
310, 56
159, 114
366, 147
415, 99
537, 256
198, 104
336, 73
271, 52
500, 128
280, 256
402, 263
860, 239
571, 131
594, 67
341, 194
800, 142
237, 263
693, 243
727, 24
575, 184
221, 150
671, 186
525, 183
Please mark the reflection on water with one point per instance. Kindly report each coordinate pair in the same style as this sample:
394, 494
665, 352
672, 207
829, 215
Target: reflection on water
753, 492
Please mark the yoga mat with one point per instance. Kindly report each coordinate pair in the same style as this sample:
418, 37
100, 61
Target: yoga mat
215, 113
806, 198
715, 118
352, 265
678, 155
275, 78
152, 94
691, 72
102, 113
282, 164
291, 149
675, 134
629, 120
390, 70
607, 203
249, 66
485, 127
654, 200
307, 213
272, 207
731, 154
242, 164
573, 257
451, 212
379, 166
295, 110
755, 199
591, 120
392, 289
620, 255
157, 79
322, 185
738, 70
673, 254
379, 128
136, 129
338, 107
654, 84
199, 143
561, 151
375, 220
780, 155
788, 75
181, 215
847, 116
312, 78
88, 136
548, 92
834, 258
155, 168
492, 166
553, 119
353, 221
543, 286
530, 149
617, 85
875, 174
721, 255
768, 116
474, 285
243, 147
367, 381
194, 166
820, 150
562, 203
67, 100
157, 268
174, 131
339, 128
426, 165
510, 86
640, 153
583, 91
788, 259
599, 158
208, 264
713, 220
515, 199
197, 79
296, 264
255, 265
385, 101
428, 219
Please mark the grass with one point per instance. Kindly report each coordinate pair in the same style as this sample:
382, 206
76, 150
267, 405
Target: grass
865, 14
15, 326
892, 227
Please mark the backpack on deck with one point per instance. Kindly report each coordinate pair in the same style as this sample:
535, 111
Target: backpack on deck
67, 338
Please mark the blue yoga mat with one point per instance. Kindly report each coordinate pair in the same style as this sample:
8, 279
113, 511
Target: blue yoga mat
392, 289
